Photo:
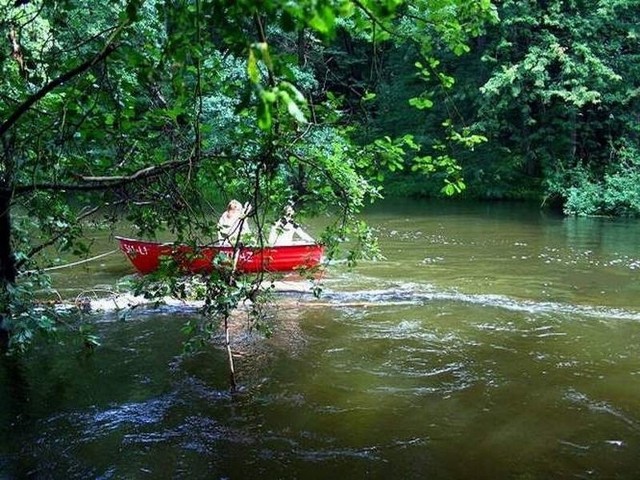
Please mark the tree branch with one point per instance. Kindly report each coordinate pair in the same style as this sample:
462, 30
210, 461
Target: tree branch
29, 102
53, 239
105, 183
373, 18
89, 183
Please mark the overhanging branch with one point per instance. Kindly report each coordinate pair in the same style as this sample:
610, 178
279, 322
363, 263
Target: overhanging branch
40, 94
88, 184
98, 183
53, 239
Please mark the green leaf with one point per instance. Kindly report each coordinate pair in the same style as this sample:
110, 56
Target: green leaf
268, 96
295, 111
297, 94
323, 20
265, 120
252, 68
448, 189
421, 103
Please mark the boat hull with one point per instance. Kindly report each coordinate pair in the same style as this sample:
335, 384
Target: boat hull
146, 257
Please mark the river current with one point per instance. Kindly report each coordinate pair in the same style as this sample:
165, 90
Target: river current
492, 341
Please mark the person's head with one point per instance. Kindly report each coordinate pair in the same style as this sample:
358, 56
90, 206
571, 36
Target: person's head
234, 206
289, 212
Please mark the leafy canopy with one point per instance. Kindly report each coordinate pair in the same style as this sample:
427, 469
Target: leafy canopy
160, 111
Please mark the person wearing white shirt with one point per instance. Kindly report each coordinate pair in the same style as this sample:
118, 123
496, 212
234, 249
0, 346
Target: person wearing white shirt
285, 229
233, 223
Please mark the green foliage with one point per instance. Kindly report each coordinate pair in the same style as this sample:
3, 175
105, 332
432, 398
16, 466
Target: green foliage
32, 312
25, 318
584, 196
416, 74
617, 194
561, 81
159, 112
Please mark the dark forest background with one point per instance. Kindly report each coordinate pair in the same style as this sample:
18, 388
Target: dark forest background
553, 86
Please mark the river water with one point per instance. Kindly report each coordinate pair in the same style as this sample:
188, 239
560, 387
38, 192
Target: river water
493, 341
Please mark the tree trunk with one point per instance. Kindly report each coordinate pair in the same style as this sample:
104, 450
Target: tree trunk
573, 142
7, 260
302, 48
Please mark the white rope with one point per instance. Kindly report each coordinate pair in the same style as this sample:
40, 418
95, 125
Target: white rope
80, 262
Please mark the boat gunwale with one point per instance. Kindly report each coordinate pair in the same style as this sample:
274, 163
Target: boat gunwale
214, 246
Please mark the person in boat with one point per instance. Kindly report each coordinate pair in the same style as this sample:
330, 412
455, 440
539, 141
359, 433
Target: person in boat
233, 223
285, 229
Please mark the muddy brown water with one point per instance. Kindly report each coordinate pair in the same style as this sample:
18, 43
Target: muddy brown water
493, 341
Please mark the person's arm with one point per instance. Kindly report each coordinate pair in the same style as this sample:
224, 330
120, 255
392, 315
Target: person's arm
222, 228
243, 219
246, 228
273, 234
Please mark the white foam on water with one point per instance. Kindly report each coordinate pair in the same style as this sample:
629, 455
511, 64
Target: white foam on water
421, 293
119, 301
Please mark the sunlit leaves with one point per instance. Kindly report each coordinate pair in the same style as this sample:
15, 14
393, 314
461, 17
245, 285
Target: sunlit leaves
323, 19
271, 93
389, 155
557, 95
444, 161
466, 138
447, 23
269, 100
422, 102
453, 187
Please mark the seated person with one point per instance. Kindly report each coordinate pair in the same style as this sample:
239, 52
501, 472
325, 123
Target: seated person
285, 229
233, 223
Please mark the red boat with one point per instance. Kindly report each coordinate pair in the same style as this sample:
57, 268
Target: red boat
146, 256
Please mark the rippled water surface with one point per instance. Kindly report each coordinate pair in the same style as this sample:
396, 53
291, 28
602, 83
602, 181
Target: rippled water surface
493, 341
